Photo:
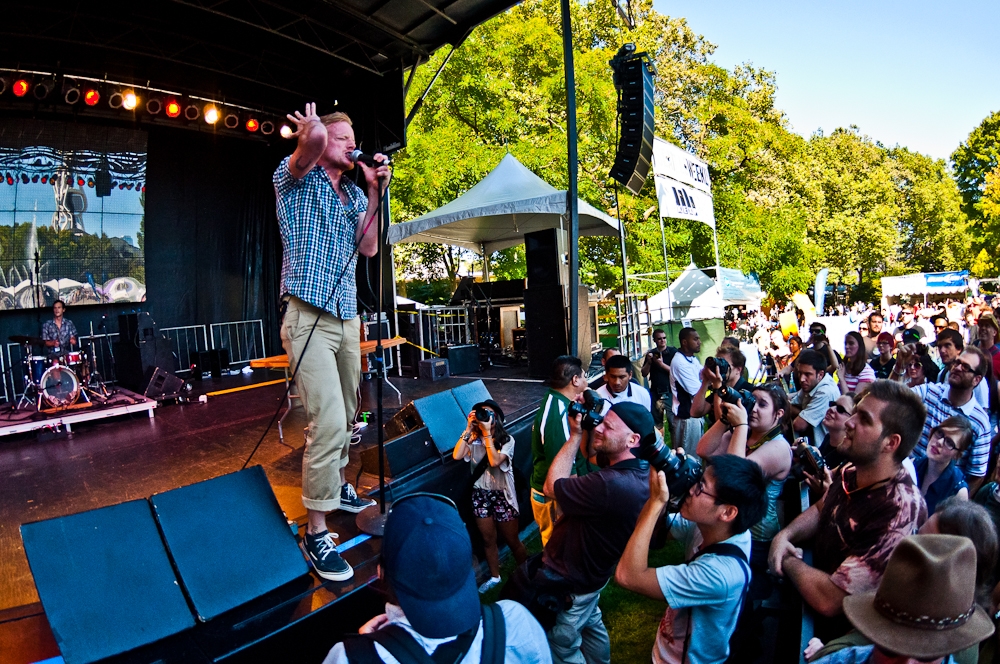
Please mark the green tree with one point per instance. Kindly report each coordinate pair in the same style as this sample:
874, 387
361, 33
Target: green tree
974, 159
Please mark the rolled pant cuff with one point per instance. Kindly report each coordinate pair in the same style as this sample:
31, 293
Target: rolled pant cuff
328, 505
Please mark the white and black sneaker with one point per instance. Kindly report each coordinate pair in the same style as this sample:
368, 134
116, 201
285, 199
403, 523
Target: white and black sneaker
350, 501
322, 552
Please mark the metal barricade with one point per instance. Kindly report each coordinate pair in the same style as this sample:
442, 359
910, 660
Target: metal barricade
633, 324
243, 338
186, 340
439, 326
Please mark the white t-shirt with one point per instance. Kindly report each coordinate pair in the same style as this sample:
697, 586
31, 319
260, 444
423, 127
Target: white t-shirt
685, 373
633, 393
712, 588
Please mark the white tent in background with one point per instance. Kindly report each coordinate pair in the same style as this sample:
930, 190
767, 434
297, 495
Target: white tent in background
498, 211
693, 295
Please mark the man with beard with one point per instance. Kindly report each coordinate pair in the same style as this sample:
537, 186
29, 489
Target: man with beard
871, 505
875, 322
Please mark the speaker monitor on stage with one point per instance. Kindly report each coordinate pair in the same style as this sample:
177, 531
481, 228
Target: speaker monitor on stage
634, 80
164, 385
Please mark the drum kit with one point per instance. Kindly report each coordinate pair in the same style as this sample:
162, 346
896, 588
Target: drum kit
58, 380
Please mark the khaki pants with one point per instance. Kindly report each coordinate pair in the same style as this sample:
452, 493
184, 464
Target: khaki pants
546, 512
327, 382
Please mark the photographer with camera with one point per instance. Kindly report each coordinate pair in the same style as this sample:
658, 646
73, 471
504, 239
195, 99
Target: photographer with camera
760, 437
599, 511
567, 381
618, 386
656, 370
724, 369
486, 444
816, 390
871, 505
703, 595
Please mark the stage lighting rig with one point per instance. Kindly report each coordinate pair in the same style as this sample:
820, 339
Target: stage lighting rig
43, 88
115, 100
129, 100
192, 112
267, 127
172, 108
285, 131
20, 87
253, 125
211, 114
91, 96
72, 94
154, 105
232, 121
4, 84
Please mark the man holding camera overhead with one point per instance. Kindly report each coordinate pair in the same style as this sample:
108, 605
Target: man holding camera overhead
599, 512
704, 594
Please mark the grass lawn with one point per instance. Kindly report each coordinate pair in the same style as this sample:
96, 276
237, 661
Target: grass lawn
631, 619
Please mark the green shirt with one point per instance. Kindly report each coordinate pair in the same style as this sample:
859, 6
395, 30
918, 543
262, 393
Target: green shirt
549, 433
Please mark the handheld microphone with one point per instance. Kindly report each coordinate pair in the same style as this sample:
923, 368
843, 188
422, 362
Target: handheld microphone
367, 160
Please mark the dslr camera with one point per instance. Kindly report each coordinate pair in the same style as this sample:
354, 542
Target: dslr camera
726, 393
806, 459
484, 415
590, 409
682, 472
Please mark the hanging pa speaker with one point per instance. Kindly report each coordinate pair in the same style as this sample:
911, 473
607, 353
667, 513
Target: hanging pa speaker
634, 75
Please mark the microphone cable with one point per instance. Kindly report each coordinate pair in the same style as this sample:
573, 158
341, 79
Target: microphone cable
298, 363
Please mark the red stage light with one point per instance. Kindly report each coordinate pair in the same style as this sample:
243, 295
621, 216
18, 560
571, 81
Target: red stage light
91, 97
252, 125
80, 182
173, 108
20, 87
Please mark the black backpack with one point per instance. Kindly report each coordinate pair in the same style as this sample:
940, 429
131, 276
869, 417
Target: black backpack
360, 649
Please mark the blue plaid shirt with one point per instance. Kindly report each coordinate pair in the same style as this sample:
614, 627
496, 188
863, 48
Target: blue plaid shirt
935, 396
317, 236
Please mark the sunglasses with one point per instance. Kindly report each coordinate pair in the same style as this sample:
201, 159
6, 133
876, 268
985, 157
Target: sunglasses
914, 365
840, 408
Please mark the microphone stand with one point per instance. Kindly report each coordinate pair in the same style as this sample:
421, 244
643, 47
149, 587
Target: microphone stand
371, 520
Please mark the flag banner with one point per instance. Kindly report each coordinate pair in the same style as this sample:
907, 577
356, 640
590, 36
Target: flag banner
679, 201
672, 162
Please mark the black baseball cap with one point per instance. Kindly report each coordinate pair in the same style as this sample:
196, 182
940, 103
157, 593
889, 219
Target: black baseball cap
636, 418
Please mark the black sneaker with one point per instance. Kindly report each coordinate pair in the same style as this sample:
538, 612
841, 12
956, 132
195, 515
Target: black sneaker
351, 502
323, 553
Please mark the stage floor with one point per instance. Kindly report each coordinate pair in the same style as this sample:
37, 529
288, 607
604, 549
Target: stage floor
107, 462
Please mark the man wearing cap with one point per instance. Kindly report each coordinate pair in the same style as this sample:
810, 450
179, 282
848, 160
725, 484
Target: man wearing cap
908, 322
871, 505
599, 514
426, 568
928, 626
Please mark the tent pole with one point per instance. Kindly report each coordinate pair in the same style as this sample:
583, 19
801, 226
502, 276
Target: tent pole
571, 190
715, 239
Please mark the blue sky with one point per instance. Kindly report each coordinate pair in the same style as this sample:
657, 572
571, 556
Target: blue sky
919, 74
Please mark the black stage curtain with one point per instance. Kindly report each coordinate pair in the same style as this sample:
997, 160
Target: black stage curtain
213, 251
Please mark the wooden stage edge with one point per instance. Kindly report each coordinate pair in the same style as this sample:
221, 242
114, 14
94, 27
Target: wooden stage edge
68, 418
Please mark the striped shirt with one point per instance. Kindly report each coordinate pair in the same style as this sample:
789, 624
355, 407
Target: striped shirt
867, 375
317, 238
935, 397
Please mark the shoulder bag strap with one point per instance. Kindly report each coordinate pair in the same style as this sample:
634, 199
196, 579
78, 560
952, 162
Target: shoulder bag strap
494, 635
720, 549
361, 650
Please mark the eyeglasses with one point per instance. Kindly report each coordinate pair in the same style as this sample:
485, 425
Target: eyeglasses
699, 489
947, 442
840, 409
659, 338
964, 366
914, 365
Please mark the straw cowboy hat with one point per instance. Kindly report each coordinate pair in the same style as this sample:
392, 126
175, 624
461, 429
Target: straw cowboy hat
925, 606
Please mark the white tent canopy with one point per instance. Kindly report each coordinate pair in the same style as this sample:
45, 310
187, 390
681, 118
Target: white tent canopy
693, 294
498, 211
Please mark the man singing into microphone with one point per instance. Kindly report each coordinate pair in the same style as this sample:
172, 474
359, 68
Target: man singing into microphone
322, 216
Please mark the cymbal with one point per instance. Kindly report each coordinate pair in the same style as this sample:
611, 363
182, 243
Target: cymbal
24, 339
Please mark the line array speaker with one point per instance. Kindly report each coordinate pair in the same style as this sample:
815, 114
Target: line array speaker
635, 108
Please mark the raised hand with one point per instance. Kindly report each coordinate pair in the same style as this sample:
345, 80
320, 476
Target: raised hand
302, 120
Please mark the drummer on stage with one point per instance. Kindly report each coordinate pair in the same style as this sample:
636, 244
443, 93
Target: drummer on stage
59, 333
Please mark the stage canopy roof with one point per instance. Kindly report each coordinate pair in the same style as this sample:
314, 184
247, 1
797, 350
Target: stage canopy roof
498, 211
270, 55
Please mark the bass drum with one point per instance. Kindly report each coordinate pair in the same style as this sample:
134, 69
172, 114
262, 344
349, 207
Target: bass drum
59, 387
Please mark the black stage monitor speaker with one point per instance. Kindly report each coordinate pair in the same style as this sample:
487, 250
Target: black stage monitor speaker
403, 422
546, 328
443, 418
164, 385
461, 359
105, 580
219, 573
635, 106
401, 453
470, 394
